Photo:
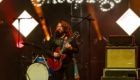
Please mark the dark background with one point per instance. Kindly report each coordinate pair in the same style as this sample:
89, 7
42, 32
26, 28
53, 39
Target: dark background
14, 61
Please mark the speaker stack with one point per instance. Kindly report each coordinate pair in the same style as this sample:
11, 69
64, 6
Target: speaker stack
121, 58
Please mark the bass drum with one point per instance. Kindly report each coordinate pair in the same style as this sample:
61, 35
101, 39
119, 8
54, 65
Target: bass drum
37, 71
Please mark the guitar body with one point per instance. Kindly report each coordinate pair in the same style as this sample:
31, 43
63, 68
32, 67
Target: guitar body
55, 64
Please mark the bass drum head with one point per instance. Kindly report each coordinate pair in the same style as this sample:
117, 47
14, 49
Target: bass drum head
37, 71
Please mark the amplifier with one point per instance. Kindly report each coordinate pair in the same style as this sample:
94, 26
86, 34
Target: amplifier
121, 57
117, 78
121, 40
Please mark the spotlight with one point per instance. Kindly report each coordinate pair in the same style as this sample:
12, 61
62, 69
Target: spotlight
70, 1
61, 1
40, 2
54, 2
106, 2
117, 1
0, 0
76, 6
91, 1
19, 45
48, 1
79, 1
129, 21
26, 25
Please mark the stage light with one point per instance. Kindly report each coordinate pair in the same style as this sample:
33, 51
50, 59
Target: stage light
105, 3
54, 2
26, 25
117, 1
60, 1
91, 1
76, 6
20, 45
0, 0
70, 1
79, 1
48, 1
129, 21
100, 1
38, 2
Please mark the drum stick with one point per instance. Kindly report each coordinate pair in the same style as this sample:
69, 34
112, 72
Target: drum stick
35, 59
45, 62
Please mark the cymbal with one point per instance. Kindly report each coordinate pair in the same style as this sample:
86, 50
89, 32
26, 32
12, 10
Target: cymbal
29, 44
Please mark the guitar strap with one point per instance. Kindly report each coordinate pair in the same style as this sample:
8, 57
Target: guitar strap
64, 42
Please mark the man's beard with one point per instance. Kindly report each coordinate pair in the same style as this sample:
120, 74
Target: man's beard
60, 33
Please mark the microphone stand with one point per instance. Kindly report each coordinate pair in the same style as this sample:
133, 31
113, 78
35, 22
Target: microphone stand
83, 18
18, 41
89, 20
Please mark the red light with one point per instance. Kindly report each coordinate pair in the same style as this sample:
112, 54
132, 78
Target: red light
20, 45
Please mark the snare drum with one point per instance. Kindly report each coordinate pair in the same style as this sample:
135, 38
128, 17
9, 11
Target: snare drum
37, 71
39, 59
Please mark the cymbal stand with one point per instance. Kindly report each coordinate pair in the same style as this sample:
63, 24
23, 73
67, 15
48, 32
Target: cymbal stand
18, 56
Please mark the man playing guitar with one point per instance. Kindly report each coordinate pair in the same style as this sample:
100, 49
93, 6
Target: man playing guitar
55, 44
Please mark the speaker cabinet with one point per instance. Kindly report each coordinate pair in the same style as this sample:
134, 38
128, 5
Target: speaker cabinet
117, 78
121, 57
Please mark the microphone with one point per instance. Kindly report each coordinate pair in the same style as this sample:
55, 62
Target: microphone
104, 38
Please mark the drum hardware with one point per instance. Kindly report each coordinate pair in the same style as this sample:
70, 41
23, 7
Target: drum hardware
45, 62
39, 69
25, 71
41, 61
35, 59
32, 45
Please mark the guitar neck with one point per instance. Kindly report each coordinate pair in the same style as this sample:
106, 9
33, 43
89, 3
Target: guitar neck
68, 41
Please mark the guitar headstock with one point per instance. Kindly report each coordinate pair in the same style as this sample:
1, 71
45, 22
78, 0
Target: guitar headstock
76, 34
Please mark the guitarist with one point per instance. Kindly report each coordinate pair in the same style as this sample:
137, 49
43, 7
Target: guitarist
62, 33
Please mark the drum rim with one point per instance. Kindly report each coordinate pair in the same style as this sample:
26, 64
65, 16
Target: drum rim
29, 68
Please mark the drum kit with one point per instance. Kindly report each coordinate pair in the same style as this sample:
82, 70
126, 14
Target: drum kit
39, 69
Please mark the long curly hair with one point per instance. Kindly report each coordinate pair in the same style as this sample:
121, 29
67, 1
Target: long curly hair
66, 27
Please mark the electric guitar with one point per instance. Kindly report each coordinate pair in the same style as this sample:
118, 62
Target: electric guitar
56, 63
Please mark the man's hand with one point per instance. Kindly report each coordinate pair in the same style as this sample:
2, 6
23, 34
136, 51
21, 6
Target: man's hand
56, 55
68, 46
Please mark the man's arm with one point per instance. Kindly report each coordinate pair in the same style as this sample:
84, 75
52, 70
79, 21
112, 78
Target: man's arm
72, 47
49, 47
